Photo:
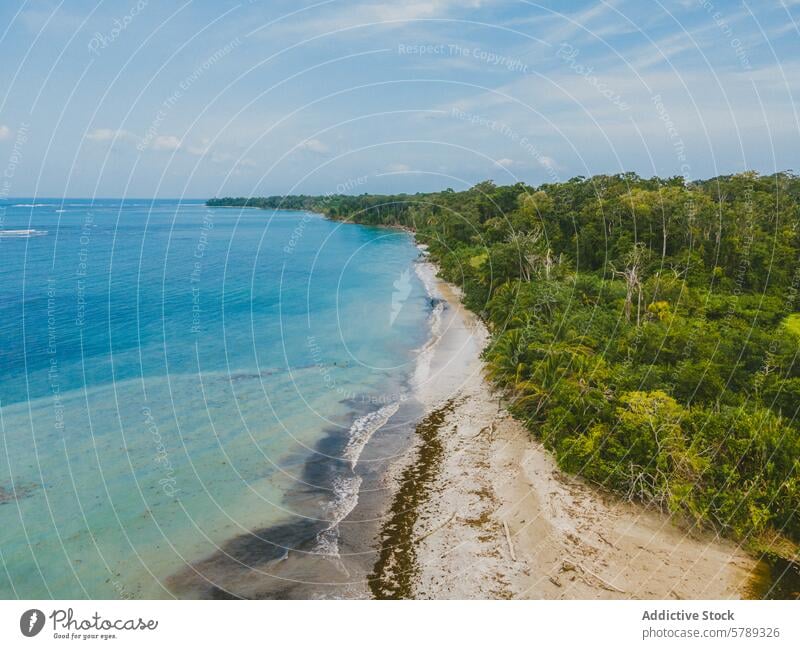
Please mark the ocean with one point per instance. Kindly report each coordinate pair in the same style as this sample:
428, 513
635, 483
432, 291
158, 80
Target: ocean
176, 380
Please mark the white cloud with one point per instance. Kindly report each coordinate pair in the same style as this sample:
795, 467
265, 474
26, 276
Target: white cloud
313, 145
155, 143
239, 165
398, 168
108, 135
663, 51
408, 11
388, 14
5, 132
204, 149
547, 161
504, 162
201, 149
166, 143
595, 16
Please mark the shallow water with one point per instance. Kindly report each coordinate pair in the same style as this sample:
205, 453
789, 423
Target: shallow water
776, 578
174, 378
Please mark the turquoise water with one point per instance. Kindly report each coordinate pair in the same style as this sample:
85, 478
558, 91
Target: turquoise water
167, 371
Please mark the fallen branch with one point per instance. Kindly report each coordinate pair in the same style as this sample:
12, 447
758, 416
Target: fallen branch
486, 430
508, 539
605, 540
607, 585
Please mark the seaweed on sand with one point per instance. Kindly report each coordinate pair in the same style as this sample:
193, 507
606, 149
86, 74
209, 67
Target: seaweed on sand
396, 567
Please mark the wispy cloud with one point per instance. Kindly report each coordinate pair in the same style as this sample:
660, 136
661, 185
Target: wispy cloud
390, 15
199, 149
109, 135
598, 18
314, 145
166, 143
664, 51
158, 143
728, 77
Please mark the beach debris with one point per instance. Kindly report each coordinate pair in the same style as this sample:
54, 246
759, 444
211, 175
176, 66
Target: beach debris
435, 529
394, 572
605, 540
488, 431
555, 581
567, 566
573, 566
508, 540
608, 585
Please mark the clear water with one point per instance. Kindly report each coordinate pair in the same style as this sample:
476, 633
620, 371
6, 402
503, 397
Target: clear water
166, 369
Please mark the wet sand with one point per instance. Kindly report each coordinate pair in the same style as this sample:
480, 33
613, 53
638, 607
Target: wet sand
480, 509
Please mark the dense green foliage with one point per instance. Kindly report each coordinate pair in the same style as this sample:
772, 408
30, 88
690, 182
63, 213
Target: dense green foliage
642, 328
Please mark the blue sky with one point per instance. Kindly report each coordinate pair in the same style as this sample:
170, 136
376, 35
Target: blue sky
144, 98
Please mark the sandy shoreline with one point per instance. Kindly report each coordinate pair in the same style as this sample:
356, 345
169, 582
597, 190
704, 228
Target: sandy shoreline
480, 510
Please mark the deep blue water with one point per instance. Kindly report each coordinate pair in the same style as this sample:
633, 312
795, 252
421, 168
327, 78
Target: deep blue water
165, 371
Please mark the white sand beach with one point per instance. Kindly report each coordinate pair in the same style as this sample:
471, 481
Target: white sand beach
500, 520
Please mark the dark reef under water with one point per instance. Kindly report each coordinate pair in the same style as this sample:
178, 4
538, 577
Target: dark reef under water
283, 561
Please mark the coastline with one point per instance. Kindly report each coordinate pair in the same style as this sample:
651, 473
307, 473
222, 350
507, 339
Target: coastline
478, 509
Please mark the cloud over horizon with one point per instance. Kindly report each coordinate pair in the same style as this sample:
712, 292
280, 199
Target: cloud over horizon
459, 92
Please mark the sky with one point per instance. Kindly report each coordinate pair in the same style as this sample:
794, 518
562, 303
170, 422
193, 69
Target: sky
138, 98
